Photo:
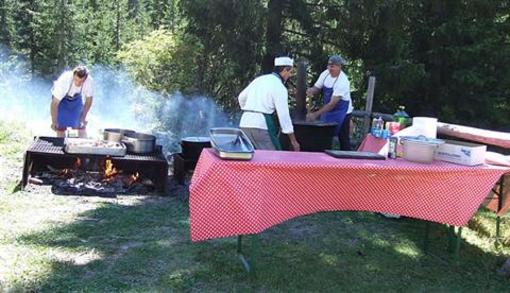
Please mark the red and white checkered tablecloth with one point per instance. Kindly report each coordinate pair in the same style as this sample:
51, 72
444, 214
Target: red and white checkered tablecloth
229, 198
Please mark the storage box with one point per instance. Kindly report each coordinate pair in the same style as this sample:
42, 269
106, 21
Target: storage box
460, 152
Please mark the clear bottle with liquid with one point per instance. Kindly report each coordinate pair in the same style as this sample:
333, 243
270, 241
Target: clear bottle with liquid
377, 126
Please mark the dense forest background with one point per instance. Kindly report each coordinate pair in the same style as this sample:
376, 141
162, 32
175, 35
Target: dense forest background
449, 59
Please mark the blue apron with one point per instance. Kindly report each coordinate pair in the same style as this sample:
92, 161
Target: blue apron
338, 113
69, 110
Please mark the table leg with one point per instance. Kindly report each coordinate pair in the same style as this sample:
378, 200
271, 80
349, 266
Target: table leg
501, 200
454, 240
426, 237
249, 265
458, 238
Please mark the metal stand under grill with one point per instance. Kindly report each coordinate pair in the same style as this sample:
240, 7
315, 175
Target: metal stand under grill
49, 151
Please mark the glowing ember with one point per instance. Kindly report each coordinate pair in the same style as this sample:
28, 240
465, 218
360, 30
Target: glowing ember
77, 163
133, 178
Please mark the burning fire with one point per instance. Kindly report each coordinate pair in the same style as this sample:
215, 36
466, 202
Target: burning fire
109, 170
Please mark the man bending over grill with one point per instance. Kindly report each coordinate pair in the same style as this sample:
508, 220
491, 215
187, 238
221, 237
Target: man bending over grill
265, 95
71, 100
335, 87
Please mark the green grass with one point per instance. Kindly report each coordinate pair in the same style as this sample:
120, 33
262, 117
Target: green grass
52, 243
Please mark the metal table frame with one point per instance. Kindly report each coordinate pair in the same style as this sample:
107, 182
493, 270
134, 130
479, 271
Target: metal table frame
454, 236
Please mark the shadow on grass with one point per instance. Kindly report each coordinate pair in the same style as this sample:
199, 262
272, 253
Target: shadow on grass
147, 247
116, 247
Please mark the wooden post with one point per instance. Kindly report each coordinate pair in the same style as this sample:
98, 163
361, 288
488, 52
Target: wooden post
300, 112
369, 103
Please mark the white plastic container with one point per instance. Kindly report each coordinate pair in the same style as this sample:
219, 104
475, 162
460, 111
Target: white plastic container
426, 126
420, 148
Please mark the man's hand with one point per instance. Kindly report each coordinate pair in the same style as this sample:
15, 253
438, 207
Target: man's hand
54, 126
311, 116
312, 91
83, 123
295, 146
293, 141
309, 92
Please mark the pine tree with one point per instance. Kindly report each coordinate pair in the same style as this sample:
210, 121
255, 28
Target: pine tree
4, 26
25, 41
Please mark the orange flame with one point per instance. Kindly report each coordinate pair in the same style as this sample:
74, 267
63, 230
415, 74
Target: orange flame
109, 170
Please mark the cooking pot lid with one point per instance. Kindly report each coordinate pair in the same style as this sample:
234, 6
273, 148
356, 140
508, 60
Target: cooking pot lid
423, 140
196, 139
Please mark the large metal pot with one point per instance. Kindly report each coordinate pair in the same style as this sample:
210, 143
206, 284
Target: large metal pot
312, 136
115, 134
192, 146
139, 143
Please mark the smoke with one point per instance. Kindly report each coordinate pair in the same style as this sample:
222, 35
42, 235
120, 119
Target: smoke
119, 102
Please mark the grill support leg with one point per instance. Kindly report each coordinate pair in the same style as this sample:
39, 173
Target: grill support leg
27, 164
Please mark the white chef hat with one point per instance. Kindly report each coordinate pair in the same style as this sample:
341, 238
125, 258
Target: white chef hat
283, 61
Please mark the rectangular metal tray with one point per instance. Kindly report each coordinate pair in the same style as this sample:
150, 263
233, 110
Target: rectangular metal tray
87, 146
231, 143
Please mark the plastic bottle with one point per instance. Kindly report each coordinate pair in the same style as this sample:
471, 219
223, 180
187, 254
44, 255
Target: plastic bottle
374, 126
377, 126
385, 134
380, 126
401, 116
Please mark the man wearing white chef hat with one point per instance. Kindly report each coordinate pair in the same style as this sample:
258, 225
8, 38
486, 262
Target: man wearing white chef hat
264, 96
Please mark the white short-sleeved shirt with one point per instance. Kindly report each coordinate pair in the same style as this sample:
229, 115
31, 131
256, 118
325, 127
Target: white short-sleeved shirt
265, 94
64, 86
341, 86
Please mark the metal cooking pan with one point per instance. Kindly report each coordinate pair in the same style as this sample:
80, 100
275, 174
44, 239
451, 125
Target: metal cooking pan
139, 143
115, 134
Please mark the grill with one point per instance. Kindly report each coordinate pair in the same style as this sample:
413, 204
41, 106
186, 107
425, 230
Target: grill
46, 151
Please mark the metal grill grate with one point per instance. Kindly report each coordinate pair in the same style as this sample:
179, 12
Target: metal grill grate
51, 145
55, 145
44, 148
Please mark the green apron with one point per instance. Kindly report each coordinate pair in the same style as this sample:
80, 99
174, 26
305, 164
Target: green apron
272, 129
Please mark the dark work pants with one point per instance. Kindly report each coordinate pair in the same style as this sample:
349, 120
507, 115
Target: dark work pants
343, 135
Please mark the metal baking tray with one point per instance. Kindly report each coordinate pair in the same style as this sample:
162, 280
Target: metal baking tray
231, 143
87, 146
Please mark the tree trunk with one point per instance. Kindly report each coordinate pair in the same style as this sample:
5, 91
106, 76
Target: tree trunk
273, 33
61, 37
117, 26
133, 7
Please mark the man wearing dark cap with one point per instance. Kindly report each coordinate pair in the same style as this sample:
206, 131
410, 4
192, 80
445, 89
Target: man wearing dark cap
71, 101
335, 87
